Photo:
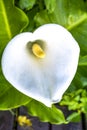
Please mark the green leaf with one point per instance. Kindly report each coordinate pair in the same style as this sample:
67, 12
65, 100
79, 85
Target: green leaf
66, 13
80, 34
45, 114
12, 22
26, 4
42, 18
84, 102
74, 117
31, 13
50, 5
82, 70
76, 84
83, 61
12, 98
73, 100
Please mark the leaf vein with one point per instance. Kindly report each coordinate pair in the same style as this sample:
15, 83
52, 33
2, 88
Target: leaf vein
77, 23
6, 20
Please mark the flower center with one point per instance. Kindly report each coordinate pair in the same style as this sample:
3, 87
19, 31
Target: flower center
37, 48
38, 51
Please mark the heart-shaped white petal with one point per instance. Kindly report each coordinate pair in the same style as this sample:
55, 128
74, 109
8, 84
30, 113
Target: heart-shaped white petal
43, 79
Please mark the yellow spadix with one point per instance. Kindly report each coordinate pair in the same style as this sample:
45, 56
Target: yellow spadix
38, 51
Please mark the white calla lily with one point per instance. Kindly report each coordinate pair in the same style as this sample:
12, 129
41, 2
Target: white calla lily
41, 64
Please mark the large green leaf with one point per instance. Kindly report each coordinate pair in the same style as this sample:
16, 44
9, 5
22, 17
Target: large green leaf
12, 22
45, 114
66, 13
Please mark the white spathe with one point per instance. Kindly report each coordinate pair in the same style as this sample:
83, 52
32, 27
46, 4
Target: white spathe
42, 79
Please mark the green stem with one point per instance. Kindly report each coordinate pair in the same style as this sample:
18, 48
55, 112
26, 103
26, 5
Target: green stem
12, 112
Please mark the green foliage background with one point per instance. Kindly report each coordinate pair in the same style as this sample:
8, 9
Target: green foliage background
26, 15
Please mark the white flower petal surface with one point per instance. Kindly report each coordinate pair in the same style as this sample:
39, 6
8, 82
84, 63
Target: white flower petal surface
42, 79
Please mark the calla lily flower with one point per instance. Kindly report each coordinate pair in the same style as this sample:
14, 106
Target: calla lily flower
41, 64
